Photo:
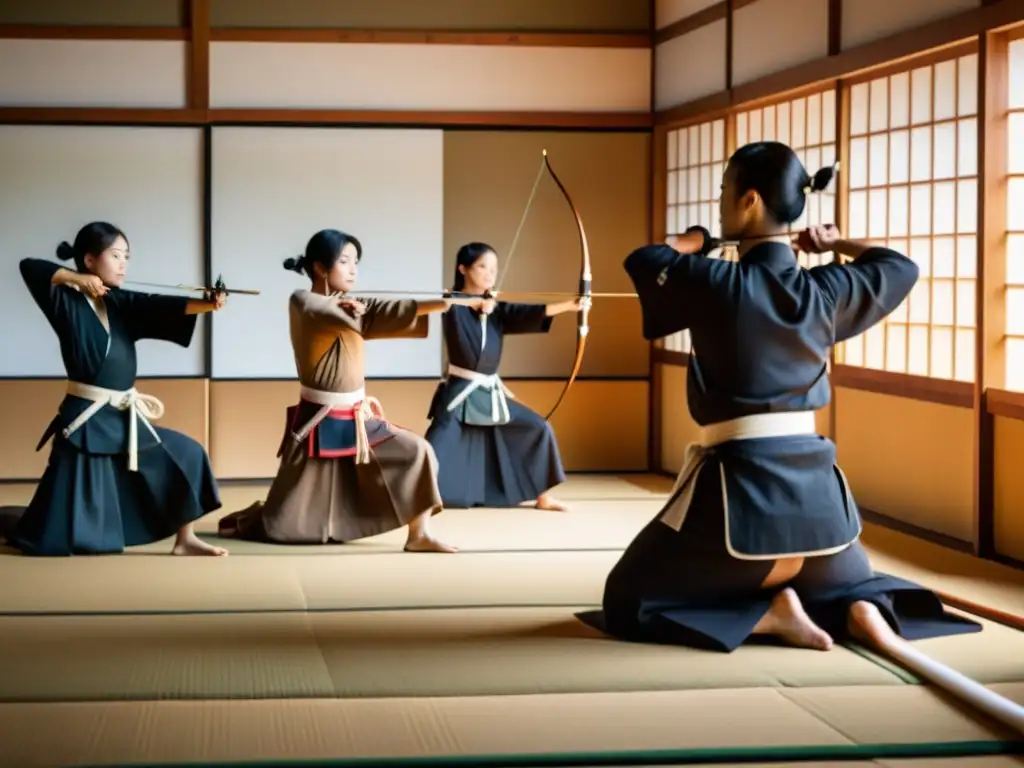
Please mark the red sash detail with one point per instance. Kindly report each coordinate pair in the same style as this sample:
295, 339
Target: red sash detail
299, 414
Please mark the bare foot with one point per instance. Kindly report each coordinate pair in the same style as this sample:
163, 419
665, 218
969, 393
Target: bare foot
190, 544
549, 502
867, 625
428, 544
787, 620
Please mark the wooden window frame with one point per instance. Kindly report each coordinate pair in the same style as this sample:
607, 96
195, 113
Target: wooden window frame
196, 31
952, 390
994, 398
989, 29
928, 389
999, 216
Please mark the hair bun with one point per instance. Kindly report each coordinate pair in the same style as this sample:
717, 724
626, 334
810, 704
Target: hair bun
821, 180
295, 264
65, 252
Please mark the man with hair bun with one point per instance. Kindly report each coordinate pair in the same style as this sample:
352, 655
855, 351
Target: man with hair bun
761, 533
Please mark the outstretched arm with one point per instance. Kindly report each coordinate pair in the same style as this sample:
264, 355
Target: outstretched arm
407, 319
561, 307
478, 303
403, 319
156, 316
378, 318
209, 304
517, 318
430, 307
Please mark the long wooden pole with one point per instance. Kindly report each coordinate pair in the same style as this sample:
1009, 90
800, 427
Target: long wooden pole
960, 686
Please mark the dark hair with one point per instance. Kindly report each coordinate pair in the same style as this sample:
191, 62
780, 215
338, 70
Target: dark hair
467, 256
92, 239
774, 171
323, 248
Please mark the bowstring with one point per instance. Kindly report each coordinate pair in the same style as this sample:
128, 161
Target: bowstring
519, 229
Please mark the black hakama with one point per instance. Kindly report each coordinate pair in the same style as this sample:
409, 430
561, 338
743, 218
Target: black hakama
762, 329
491, 450
89, 501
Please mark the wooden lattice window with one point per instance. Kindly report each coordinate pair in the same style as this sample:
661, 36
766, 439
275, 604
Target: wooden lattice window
913, 185
696, 162
1014, 340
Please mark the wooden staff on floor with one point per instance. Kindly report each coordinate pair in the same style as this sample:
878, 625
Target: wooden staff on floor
961, 687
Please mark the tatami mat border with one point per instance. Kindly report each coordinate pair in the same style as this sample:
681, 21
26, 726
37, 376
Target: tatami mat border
783, 755
892, 667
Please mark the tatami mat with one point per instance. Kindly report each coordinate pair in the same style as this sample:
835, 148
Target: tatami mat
423, 653
276, 654
590, 524
684, 722
420, 653
296, 583
867, 715
520, 556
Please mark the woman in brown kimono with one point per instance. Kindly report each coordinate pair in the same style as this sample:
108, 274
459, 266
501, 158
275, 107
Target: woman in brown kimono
345, 473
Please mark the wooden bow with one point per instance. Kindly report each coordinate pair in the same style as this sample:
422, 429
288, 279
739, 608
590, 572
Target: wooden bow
583, 291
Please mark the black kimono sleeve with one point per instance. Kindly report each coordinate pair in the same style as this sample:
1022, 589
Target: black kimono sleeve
674, 288
523, 318
53, 300
866, 290
155, 316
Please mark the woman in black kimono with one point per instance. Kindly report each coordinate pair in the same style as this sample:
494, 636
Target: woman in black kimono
492, 451
761, 533
113, 479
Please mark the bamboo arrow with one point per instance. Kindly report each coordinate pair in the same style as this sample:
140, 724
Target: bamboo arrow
218, 287
494, 296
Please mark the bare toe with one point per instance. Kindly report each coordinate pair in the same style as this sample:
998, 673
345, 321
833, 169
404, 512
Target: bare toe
553, 504
193, 545
795, 626
428, 544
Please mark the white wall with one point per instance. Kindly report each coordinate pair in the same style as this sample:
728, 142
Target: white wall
92, 73
803, 24
690, 66
273, 188
54, 180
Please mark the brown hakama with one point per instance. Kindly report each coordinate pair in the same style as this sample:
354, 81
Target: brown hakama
351, 474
